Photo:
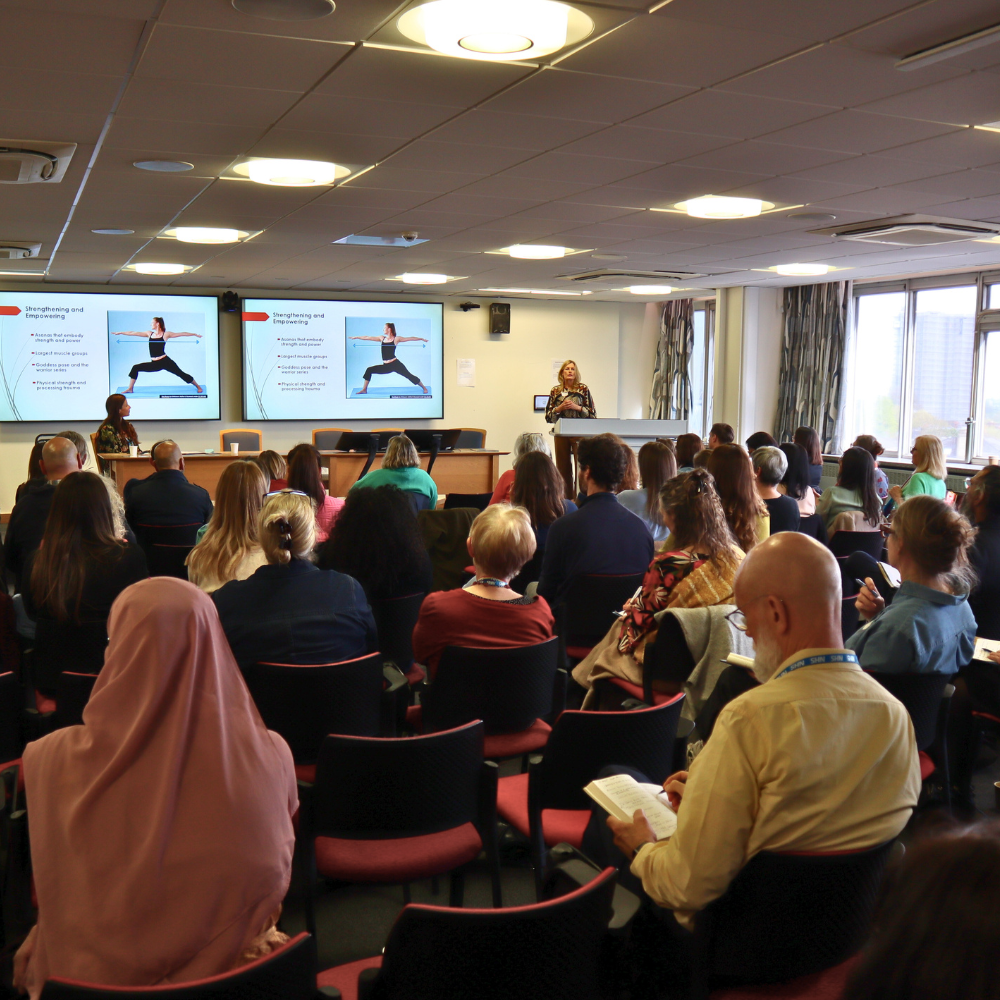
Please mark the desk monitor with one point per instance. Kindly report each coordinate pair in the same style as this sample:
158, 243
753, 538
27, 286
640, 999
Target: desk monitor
423, 439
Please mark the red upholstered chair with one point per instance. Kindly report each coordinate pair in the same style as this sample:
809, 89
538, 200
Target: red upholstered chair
305, 703
510, 689
548, 804
587, 611
395, 619
785, 917
548, 950
289, 973
666, 658
843, 543
397, 810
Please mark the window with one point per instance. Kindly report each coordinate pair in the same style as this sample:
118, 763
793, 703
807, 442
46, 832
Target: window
702, 364
991, 396
993, 296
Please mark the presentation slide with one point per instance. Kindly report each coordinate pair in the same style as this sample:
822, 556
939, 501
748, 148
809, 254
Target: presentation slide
327, 360
62, 354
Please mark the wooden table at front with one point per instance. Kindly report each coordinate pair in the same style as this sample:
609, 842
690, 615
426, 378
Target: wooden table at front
467, 471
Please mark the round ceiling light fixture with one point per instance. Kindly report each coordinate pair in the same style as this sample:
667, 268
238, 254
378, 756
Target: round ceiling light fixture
713, 206
291, 173
113, 232
286, 10
203, 234
151, 268
536, 251
410, 278
164, 166
495, 29
811, 216
802, 270
650, 289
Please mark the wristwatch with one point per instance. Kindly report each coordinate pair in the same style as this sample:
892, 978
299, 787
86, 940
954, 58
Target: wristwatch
636, 850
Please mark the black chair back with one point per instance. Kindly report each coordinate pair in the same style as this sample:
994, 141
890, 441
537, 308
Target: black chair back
921, 695
530, 571
72, 694
850, 618
418, 501
813, 526
549, 949
471, 438
395, 619
306, 703
667, 657
370, 789
583, 743
289, 973
843, 543
11, 702
326, 438
480, 501
166, 547
787, 915
507, 688
591, 601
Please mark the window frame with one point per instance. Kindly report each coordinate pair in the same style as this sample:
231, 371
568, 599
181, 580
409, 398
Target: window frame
707, 306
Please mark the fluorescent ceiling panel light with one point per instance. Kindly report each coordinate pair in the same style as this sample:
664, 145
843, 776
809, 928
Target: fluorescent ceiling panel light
495, 29
988, 127
529, 291
719, 207
410, 278
23, 274
291, 173
164, 166
801, 270
203, 234
380, 241
151, 268
650, 289
950, 49
536, 251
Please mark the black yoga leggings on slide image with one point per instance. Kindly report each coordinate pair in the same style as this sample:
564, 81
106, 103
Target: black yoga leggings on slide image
164, 364
395, 367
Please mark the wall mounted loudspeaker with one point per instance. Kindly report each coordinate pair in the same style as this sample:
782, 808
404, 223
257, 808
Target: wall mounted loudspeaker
499, 317
230, 302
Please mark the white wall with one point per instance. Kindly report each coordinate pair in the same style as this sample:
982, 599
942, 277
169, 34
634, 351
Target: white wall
509, 370
639, 332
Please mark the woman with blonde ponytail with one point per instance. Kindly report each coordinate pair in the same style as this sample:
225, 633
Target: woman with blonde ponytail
289, 611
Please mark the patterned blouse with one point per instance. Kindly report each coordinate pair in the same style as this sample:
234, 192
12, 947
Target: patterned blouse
110, 442
579, 394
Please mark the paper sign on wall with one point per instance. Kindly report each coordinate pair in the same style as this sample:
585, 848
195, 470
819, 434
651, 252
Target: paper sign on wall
466, 371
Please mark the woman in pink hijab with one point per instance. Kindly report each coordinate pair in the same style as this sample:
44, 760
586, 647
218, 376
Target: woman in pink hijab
161, 829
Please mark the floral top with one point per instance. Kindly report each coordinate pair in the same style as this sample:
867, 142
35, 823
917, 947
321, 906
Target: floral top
110, 442
579, 394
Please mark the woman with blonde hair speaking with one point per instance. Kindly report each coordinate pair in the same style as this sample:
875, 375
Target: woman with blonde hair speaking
228, 548
569, 399
929, 471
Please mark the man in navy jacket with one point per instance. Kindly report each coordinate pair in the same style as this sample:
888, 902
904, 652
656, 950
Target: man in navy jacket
166, 497
602, 536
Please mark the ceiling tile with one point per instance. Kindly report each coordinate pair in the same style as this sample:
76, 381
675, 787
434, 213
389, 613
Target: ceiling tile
922, 26
508, 185
240, 197
429, 154
349, 195
181, 139
969, 208
794, 190
584, 97
568, 211
459, 201
959, 184
181, 101
395, 178
364, 116
51, 126
667, 49
196, 55
577, 167
965, 148
883, 201
763, 158
858, 132
297, 144
836, 74
70, 93
973, 99
873, 171
677, 182
498, 128
654, 145
387, 74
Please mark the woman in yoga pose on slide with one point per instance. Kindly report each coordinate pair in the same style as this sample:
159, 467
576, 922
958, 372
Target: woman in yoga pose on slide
158, 335
390, 363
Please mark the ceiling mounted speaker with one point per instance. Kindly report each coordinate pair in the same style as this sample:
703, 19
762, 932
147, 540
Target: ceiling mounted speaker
286, 10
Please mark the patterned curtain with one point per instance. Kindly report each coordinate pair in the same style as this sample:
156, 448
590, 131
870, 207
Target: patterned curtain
670, 396
811, 386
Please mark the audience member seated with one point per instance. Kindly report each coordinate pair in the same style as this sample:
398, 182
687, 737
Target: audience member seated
982, 506
116, 434
854, 491
376, 540
228, 547
526, 443
486, 612
79, 442
602, 536
35, 474
760, 439
929, 627
630, 480
305, 474
121, 525
74, 578
701, 459
161, 828
166, 497
819, 758
809, 440
290, 611
696, 572
539, 489
720, 434
401, 468
795, 482
929, 471
688, 445
746, 513
871, 444
27, 519
275, 468
657, 465
936, 934
769, 467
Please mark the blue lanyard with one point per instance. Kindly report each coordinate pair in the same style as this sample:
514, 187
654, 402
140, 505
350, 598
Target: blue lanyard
811, 661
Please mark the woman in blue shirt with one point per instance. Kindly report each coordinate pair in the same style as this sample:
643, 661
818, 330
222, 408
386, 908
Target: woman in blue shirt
928, 627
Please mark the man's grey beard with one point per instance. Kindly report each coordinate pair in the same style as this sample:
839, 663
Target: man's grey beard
767, 658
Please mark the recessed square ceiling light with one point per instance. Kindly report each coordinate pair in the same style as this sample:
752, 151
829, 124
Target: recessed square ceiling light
291, 173
204, 234
150, 267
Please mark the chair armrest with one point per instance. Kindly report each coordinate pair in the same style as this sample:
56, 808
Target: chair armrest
633, 705
487, 803
328, 991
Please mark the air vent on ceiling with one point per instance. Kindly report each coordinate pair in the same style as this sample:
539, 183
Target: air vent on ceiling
18, 251
913, 231
607, 275
23, 162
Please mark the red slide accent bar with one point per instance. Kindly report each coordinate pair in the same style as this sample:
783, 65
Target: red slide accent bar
255, 317
9, 311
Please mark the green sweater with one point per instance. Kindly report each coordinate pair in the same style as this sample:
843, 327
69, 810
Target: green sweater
411, 480
923, 482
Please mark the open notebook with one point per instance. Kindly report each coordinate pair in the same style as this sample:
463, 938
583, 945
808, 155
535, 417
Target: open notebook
620, 796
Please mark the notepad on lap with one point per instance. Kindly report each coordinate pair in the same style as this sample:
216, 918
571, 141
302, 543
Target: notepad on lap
620, 795
984, 646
